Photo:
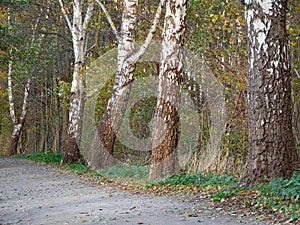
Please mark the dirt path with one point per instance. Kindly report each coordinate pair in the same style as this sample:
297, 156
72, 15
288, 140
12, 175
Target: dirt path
33, 194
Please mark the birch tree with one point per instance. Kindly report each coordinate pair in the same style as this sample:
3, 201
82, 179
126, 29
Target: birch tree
102, 148
272, 151
101, 155
18, 121
78, 29
165, 133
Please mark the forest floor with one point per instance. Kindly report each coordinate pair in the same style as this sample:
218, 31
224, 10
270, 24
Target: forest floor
34, 193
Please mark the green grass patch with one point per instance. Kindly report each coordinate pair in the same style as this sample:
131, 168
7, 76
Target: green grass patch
48, 157
200, 179
78, 167
135, 171
282, 189
45, 157
280, 196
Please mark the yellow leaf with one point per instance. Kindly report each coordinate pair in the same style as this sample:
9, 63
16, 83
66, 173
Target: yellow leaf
222, 17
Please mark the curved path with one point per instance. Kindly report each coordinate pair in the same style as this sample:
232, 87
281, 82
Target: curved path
32, 193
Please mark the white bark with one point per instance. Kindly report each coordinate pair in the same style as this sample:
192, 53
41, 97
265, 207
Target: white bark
109, 20
79, 30
18, 122
102, 147
134, 58
10, 94
65, 15
9, 78
165, 133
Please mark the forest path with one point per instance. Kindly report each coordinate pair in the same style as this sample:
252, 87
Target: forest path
32, 193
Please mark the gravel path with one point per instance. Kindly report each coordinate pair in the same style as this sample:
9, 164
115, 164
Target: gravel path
32, 193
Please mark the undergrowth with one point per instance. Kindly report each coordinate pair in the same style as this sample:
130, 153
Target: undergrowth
134, 171
45, 157
280, 197
209, 179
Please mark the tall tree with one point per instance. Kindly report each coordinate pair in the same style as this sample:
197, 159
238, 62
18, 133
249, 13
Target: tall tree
17, 119
102, 148
79, 31
102, 153
272, 151
165, 134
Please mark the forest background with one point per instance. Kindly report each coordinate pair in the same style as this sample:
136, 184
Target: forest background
36, 39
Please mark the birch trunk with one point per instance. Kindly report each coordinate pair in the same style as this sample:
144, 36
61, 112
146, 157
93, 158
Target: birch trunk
18, 122
272, 151
102, 149
165, 134
79, 35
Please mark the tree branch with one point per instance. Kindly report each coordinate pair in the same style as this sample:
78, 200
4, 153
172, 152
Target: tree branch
65, 15
88, 16
113, 27
134, 58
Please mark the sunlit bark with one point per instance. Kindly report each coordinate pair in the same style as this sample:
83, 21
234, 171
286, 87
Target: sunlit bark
165, 134
101, 154
272, 151
17, 121
79, 31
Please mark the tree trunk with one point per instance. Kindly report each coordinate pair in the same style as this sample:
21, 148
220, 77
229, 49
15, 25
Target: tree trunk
165, 134
79, 35
13, 143
18, 122
272, 151
102, 147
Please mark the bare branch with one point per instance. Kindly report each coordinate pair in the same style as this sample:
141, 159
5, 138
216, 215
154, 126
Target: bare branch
296, 72
113, 27
88, 16
65, 15
134, 58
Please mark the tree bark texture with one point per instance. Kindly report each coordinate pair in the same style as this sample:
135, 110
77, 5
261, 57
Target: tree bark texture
102, 147
272, 151
18, 122
79, 35
14, 140
165, 133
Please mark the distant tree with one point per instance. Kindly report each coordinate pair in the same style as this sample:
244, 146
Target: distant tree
18, 118
165, 133
272, 151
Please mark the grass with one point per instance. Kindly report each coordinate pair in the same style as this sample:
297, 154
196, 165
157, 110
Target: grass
204, 180
134, 172
45, 157
280, 196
